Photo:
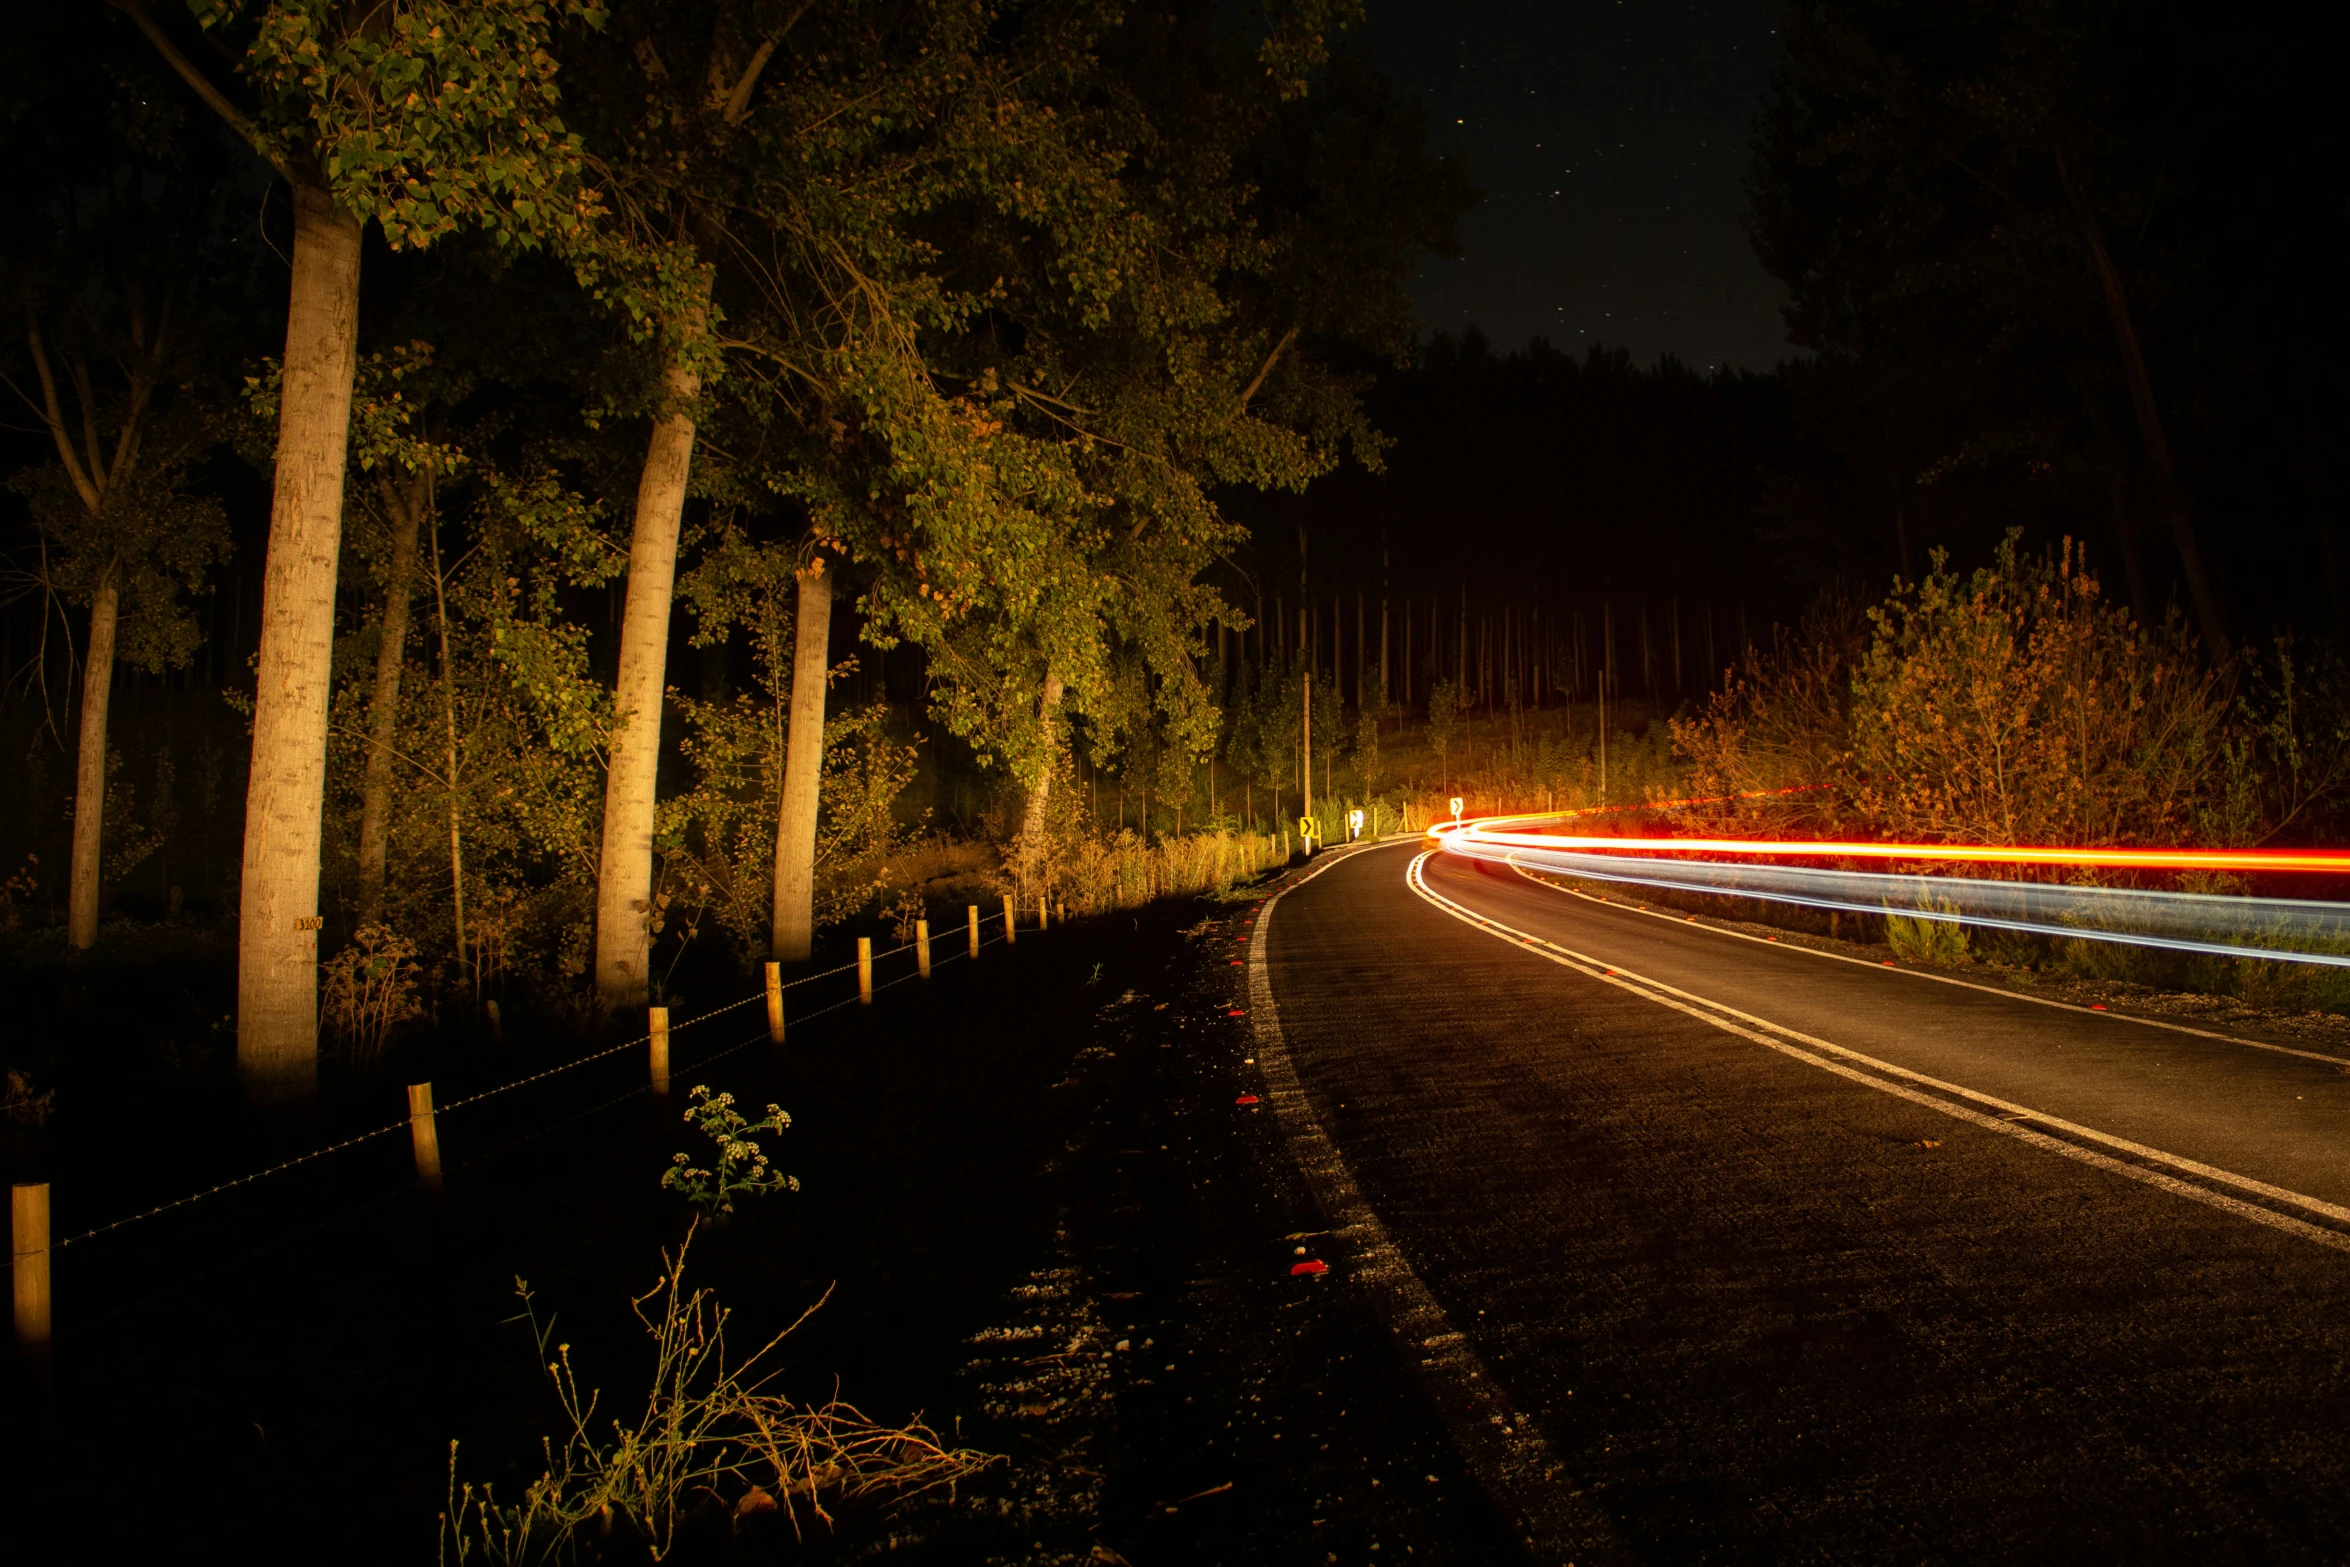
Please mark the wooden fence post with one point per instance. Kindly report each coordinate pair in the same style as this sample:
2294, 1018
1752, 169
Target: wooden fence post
973, 908
1011, 920
865, 971
922, 947
657, 1026
1044, 913
28, 1228
775, 1003
425, 1136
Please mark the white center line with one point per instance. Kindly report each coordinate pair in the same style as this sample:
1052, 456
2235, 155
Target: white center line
1788, 1041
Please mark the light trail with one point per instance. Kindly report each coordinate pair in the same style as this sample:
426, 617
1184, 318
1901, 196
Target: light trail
2287, 930
1485, 832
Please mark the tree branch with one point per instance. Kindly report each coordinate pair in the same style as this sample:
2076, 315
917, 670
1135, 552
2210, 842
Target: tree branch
143, 377
738, 99
213, 97
53, 415
1266, 368
94, 450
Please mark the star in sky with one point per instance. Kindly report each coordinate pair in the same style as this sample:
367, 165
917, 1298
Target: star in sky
1611, 142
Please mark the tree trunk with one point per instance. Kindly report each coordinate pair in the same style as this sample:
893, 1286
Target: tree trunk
277, 935
391, 653
2125, 527
1040, 793
89, 803
440, 600
624, 874
792, 929
2169, 495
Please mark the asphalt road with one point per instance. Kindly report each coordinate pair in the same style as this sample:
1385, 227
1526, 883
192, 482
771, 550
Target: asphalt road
1758, 1254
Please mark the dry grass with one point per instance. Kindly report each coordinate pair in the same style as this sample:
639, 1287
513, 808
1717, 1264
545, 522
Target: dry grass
710, 1437
370, 988
1094, 875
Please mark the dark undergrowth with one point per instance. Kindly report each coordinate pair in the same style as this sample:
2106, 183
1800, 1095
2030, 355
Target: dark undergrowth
1046, 1230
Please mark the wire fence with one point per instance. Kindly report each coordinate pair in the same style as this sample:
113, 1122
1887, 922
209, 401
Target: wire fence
405, 1122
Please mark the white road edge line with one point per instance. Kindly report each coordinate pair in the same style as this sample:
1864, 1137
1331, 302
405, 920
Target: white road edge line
1502, 1447
1909, 972
2140, 1150
1748, 1026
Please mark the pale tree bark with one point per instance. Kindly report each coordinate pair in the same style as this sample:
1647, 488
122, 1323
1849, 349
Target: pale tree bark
277, 937
95, 476
624, 875
449, 759
89, 801
277, 915
1040, 793
405, 506
792, 929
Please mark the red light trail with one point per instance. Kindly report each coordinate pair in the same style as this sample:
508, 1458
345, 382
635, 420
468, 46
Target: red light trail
1494, 832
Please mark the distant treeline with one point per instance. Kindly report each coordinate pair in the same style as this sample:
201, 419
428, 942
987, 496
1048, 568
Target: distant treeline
2069, 269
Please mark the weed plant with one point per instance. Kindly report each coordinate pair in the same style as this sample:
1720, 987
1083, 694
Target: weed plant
711, 1438
369, 989
739, 1168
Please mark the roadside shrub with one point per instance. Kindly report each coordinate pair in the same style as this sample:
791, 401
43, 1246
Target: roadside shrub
370, 988
1783, 722
1915, 938
2017, 706
721, 836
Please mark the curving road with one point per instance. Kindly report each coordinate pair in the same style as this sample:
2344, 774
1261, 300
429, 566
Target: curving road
1716, 1249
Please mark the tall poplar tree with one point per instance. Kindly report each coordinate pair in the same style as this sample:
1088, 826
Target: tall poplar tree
422, 118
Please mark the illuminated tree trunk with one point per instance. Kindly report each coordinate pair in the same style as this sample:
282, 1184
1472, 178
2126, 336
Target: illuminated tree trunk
624, 876
440, 600
791, 934
1040, 793
391, 654
277, 935
89, 801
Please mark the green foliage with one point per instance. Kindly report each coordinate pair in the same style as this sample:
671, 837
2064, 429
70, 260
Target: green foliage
530, 720
2016, 706
1366, 737
1444, 712
1329, 726
1916, 938
152, 539
740, 1168
724, 827
425, 117
126, 842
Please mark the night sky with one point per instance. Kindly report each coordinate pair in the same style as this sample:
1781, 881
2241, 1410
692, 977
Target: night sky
1611, 142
